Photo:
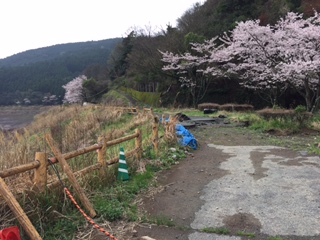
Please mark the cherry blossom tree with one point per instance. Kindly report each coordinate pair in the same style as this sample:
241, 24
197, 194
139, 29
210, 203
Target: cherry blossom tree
300, 45
74, 90
191, 71
273, 58
268, 59
253, 54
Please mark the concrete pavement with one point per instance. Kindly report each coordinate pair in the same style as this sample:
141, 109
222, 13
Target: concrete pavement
273, 190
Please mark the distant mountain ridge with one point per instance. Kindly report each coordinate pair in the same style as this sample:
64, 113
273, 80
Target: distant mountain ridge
33, 76
56, 51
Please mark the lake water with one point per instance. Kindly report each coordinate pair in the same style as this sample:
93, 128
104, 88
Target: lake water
18, 117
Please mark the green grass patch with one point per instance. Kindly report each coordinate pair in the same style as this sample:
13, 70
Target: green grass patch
281, 125
314, 148
275, 238
116, 202
63, 229
245, 234
171, 156
149, 98
221, 231
161, 220
116, 98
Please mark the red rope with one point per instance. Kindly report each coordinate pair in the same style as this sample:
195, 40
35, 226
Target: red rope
87, 217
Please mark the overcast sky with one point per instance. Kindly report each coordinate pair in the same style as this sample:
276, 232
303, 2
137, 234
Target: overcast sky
30, 24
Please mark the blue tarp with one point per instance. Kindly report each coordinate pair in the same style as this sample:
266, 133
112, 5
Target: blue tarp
187, 138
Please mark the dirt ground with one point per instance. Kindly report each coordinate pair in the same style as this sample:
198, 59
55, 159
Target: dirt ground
179, 189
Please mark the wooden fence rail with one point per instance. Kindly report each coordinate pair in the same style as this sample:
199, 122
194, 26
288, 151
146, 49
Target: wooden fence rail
41, 163
36, 164
40, 167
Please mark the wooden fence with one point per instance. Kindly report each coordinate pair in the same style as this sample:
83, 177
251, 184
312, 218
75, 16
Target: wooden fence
41, 163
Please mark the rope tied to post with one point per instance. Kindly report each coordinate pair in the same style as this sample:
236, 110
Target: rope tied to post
89, 219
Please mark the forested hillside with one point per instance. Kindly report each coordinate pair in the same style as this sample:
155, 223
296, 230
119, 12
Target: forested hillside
31, 77
136, 60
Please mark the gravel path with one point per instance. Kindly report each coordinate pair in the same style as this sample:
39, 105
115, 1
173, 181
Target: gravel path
237, 181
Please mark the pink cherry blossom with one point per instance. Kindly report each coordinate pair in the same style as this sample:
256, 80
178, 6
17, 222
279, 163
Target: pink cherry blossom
74, 90
269, 59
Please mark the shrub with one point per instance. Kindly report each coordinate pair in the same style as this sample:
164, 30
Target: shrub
298, 115
203, 106
226, 107
302, 116
236, 107
273, 113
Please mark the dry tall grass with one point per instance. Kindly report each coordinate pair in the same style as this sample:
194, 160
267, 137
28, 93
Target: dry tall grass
72, 127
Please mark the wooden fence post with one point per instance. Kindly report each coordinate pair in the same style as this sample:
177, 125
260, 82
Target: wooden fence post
18, 211
65, 166
40, 173
102, 155
138, 144
155, 134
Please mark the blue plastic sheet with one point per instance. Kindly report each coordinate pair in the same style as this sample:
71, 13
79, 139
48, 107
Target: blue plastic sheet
187, 139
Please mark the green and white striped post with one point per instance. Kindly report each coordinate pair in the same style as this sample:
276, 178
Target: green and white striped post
123, 168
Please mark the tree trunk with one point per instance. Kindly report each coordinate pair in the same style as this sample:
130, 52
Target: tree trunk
308, 96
